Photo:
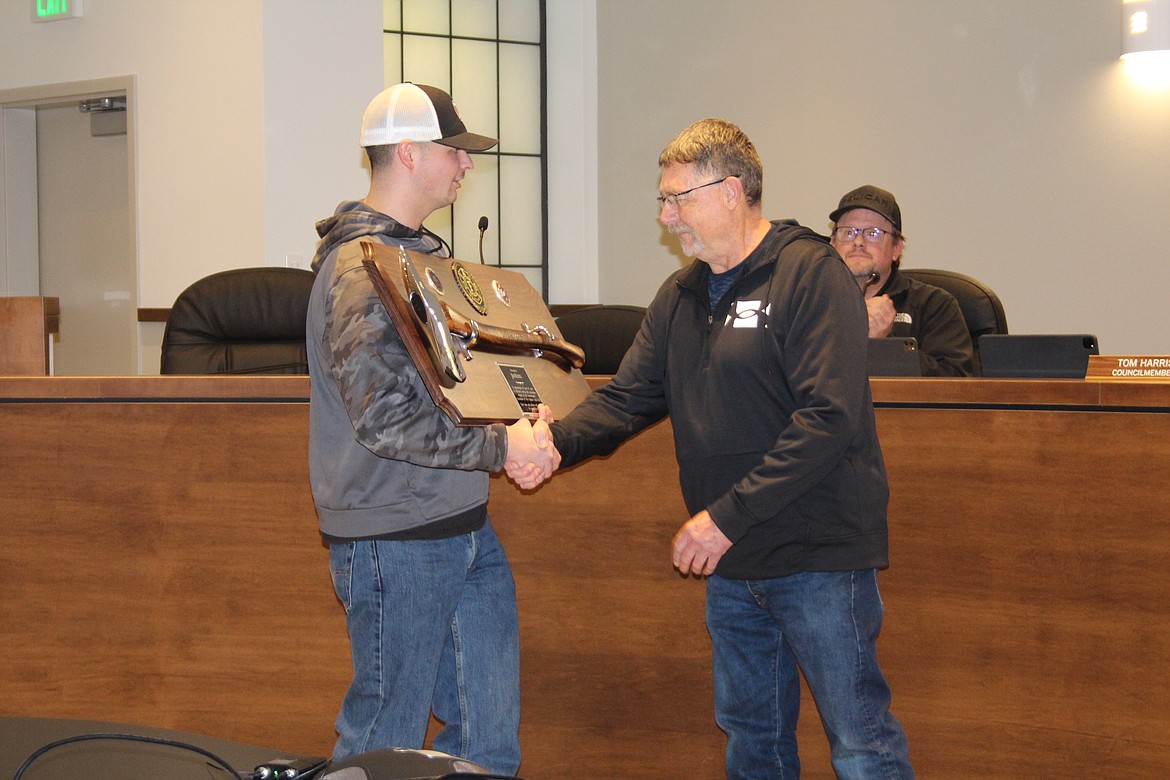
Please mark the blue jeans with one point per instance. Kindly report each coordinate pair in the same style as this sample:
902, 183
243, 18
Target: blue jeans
432, 627
828, 623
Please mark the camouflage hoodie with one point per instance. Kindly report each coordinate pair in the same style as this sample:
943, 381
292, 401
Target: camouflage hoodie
382, 457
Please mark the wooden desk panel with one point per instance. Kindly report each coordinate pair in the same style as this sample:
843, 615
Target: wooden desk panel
27, 325
615, 656
1027, 593
162, 566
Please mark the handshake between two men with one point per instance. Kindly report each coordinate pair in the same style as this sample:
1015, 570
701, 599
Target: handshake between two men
532, 456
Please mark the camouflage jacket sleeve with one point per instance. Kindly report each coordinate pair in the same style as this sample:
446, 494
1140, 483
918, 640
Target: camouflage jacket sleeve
391, 410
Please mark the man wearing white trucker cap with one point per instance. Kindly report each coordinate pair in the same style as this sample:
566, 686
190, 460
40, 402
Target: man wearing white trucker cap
401, 492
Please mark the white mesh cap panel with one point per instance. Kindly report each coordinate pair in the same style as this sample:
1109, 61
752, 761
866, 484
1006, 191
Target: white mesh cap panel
401, 113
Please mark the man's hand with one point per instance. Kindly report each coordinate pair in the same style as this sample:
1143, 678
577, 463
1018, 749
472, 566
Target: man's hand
698, 546
881, 316
532, 457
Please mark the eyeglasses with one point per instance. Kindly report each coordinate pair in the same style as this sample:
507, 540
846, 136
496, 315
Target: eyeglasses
872, 235
673, 198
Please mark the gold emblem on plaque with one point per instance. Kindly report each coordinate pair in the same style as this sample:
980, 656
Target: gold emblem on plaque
469, 287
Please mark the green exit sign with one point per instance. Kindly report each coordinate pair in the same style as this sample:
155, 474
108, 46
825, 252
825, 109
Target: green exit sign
52, 10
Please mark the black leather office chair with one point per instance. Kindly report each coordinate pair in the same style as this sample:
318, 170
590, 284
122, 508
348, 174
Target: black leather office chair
242, 321
604, 331
981, 307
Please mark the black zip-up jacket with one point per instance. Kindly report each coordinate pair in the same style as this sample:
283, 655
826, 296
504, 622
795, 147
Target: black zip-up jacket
770, 405
932, 316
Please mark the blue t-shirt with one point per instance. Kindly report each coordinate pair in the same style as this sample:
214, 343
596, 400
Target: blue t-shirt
719, 284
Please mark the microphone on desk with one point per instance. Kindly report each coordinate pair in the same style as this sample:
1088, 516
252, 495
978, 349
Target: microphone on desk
483, 226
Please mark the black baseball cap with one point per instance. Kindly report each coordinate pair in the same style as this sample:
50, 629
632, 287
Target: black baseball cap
872, 198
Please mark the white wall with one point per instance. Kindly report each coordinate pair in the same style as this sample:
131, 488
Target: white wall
322, 65
571, 29
245, 115
1020, 149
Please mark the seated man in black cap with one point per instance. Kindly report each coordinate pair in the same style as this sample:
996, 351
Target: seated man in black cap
867, 232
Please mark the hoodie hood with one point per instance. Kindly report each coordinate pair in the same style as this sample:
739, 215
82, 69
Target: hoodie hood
353, 219
783, 233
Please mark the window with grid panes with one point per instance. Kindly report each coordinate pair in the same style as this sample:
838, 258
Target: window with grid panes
489, 55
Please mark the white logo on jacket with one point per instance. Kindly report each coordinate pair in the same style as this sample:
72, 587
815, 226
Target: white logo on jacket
903, 316
746, 314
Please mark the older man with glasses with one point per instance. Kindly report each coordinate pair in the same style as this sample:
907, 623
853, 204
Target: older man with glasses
867, 232
756, 350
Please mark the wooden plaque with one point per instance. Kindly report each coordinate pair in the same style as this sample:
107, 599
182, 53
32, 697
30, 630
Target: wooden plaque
501, 385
